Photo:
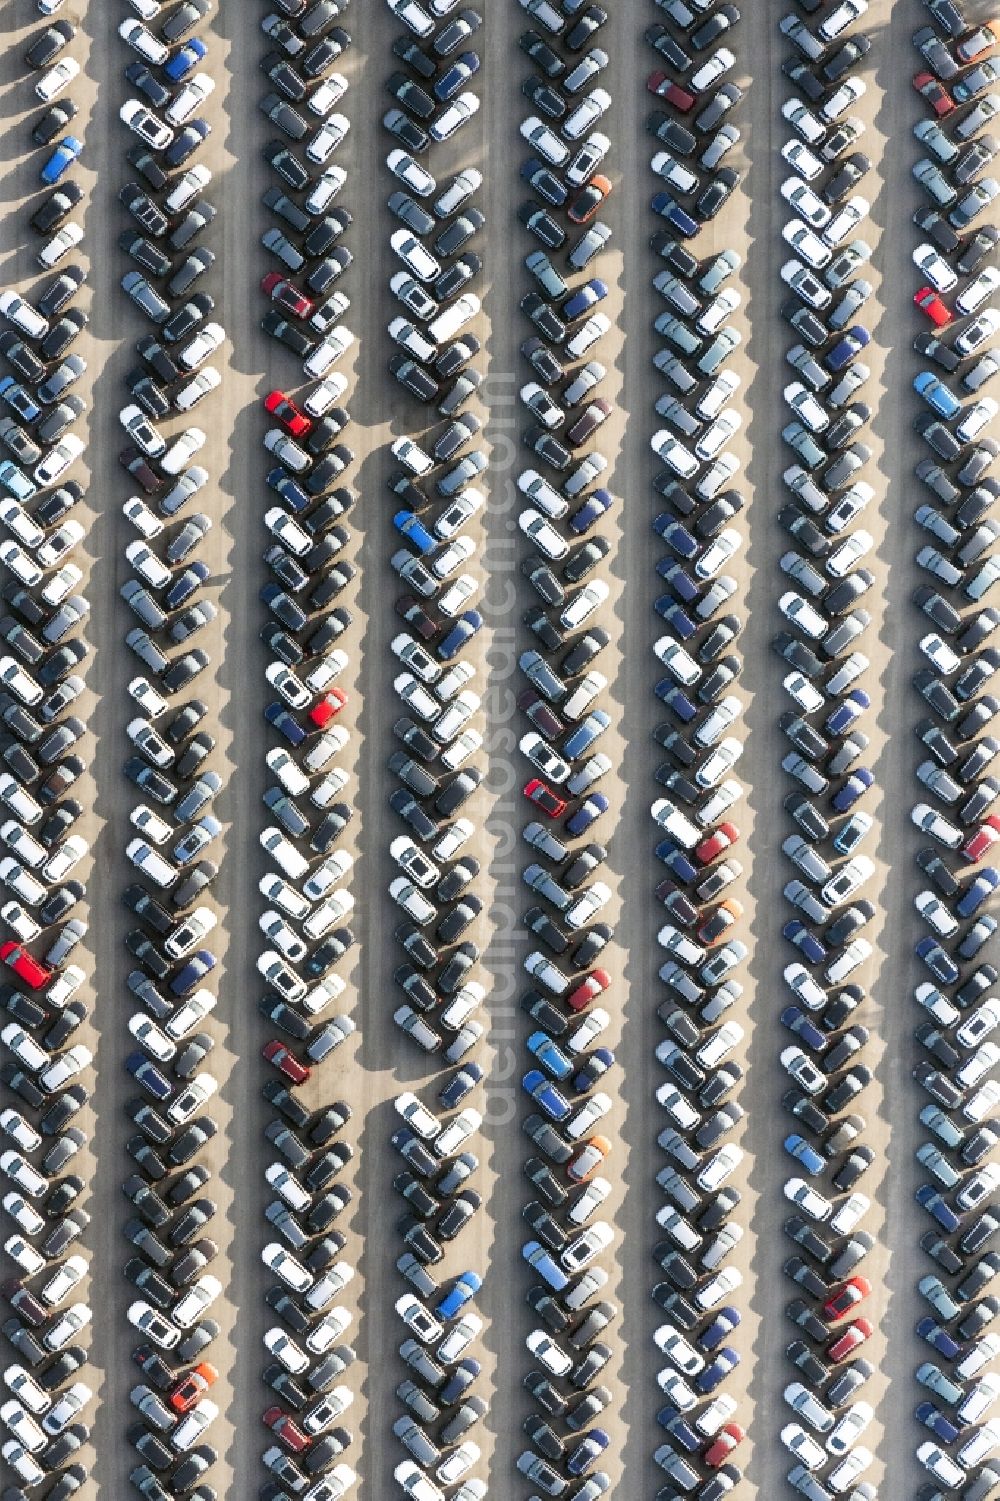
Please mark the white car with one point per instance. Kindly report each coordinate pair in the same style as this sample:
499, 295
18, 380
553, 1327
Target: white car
808, 1199
56, 462
415, 255
457, 1131
189, 98
458, 112
548, 1354
410, 173
196, 1300
417, 1116
802, 1446
62, 242
287, 1267
849, 1428
142, 40
418, 1319
806, 244
678, 1350
545, 141
934, 267
143, 123
23, 315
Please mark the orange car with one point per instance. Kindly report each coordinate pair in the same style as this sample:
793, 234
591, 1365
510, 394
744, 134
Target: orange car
589, 199
587, 1158
192, 1387
970, 48
717, 923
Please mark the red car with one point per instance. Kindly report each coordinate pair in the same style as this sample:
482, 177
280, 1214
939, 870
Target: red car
854, 1335
286, 1429
928, 301
287, 413
192, 1387
543, 797
24, 965
285, 1062
281, 291
725, 1441
978, 843
330, 704
594, 985
846, 1297
720, 839
663, 87
934, 92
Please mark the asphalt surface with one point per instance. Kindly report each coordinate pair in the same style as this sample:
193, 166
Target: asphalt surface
379, 1061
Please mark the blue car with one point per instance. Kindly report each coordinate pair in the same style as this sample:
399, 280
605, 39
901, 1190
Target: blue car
933, 1418
675, 615
550, 1055
679, 1428
678, 218
937, 395
545, 1095
588, 813
795, 1019
14, 479
278, 716
977, 892
805, 1154
61, 160
148, 1076
465, 1286
583, 737
457, 76
454, 1091
804, 940
413, 529
584, 298
18, 399
185, 58
678, 578
726, 1320
938, 1338
461, 633
544, 1263
291, 492
598, 1063
940, 963
676, 700
676, 535
937, 1206
856, 786
594, 507
717, 1370
587, 1452
678, 864
847, 348
847, 711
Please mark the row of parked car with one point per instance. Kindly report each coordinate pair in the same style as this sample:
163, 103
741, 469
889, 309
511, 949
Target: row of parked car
696, 143
173, 849
565, 704
438, 228
47, 1070
955, 262
309, 802
825, 618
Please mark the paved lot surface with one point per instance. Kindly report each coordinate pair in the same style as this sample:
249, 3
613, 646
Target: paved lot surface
381, 1060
